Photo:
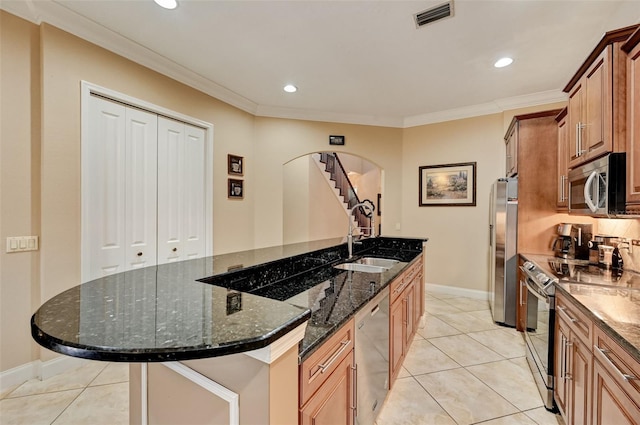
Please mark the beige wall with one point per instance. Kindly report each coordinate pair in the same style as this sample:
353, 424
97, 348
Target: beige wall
458, 236
19, 185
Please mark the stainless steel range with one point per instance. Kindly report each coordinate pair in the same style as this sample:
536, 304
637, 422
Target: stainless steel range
539, 333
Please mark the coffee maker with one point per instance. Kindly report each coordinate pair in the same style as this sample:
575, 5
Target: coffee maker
572, 241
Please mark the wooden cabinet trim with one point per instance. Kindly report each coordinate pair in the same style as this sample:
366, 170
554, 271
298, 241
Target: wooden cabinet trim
618, 35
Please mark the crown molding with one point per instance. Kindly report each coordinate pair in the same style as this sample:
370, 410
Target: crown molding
494, 107
327, 116
67, 20
71, 22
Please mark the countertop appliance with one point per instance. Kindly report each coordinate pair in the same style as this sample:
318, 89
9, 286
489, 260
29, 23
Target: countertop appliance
598, 188
572, 241
539, 333
503, 262
372, 357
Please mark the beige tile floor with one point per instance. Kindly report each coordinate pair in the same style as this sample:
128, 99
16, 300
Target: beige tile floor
461, 369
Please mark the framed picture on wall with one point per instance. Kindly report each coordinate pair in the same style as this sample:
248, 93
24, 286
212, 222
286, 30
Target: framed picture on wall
447, 185
236, 189
235, 165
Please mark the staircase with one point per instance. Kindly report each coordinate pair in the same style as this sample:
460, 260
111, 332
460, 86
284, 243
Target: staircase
337, 177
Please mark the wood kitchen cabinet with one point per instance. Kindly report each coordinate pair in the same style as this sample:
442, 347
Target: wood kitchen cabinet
562, 198
572, 375
597, 108
616, 384
596, 381
404, 315
511, 142
327, 381
632, 48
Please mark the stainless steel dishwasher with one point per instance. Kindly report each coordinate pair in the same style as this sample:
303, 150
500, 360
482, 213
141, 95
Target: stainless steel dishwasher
372, 357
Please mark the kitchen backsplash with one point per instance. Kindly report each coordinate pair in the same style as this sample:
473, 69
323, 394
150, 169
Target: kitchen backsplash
623, 228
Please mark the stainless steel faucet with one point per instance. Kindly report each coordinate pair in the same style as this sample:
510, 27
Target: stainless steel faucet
368, 205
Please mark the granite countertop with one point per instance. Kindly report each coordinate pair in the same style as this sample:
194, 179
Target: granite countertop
217, 305
612, 303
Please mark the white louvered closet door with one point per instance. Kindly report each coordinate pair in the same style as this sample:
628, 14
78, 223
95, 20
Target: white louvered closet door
181, 189
120, 195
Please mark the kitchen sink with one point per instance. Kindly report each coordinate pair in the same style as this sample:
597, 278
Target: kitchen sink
380, 262
356, 267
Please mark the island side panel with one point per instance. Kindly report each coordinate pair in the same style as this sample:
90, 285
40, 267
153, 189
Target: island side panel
268, 393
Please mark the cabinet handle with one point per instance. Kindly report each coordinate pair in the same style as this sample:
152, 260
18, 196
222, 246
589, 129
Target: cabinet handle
580, 127
577, 140
563, 312
343, 346
174, 249
563, 196
602, 352
355, 392
139, 254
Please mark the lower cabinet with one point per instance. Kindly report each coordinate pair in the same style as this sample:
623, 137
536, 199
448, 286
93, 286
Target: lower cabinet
333, 403
407, 306
327, 390
616, 384
596, 381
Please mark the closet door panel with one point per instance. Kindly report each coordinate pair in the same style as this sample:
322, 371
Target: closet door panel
171, 140
105, 227
194, 193
141, 188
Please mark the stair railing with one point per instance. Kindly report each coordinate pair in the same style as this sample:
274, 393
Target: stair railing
334, 167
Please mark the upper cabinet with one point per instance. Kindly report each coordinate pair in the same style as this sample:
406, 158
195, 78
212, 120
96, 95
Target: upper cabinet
562, 198
511, 141
632, 48
597, 109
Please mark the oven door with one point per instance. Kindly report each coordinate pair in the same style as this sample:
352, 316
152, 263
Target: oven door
539, 339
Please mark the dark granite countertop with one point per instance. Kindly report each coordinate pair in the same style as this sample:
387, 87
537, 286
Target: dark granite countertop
612, 303
217, 305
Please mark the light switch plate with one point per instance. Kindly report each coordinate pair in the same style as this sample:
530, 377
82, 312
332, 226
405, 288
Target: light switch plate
22, 244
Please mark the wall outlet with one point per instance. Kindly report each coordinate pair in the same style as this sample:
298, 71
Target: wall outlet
22, 244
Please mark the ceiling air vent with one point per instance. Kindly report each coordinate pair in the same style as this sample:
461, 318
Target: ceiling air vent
436, 13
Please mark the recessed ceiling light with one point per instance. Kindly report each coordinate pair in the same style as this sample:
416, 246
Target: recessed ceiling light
167, 4
290, 88
501, 63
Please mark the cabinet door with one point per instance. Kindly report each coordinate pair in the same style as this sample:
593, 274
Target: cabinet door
576, 122
611, 404
597, 133
561, 363
396, 339
633, 130
579, 401
333, 403
409, 314
512, 152
562, 200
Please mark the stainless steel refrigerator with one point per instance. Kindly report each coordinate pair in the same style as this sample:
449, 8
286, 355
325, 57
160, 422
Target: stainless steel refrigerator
503, 259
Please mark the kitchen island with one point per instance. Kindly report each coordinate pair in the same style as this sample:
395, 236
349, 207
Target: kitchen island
224, 333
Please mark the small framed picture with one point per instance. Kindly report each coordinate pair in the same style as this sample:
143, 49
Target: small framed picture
234, 165
236, 189
336, 140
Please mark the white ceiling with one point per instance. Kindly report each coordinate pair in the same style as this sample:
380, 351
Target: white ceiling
353, 61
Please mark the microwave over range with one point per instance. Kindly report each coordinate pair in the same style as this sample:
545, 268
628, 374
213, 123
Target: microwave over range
598, 188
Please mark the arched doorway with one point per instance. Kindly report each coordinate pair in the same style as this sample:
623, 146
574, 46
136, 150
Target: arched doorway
312, 207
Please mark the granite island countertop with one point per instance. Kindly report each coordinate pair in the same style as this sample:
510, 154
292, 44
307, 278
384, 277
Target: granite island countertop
613, 304
217, 305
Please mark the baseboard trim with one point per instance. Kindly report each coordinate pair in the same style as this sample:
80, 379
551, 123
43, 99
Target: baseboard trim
37, 369
460, 292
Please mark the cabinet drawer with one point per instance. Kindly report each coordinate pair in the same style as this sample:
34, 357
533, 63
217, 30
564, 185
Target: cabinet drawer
413, 271
620, 365
578, 322
317, 368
